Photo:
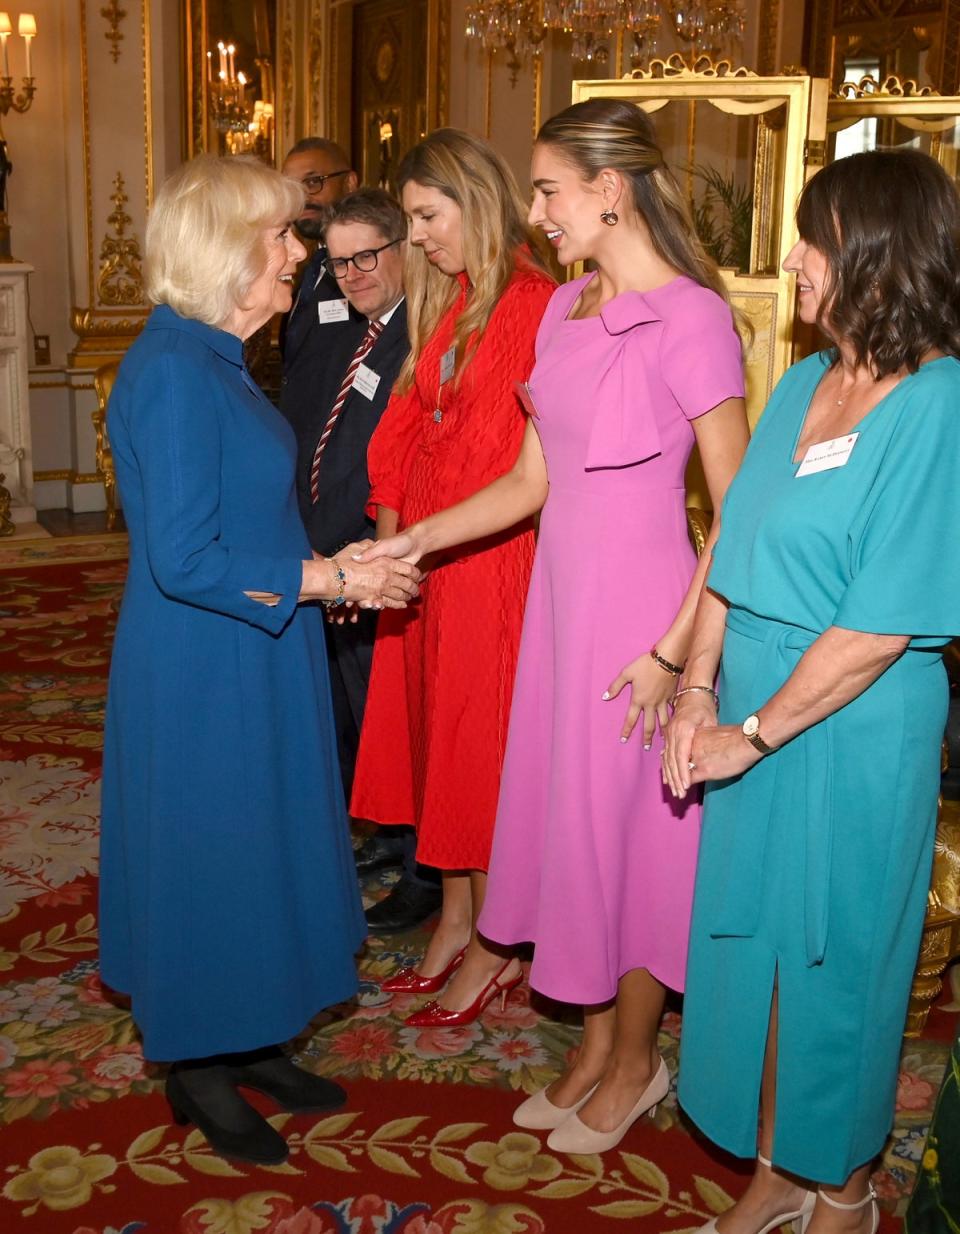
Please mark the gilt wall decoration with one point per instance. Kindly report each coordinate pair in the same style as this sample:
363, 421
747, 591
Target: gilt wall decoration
121, 278
114, 15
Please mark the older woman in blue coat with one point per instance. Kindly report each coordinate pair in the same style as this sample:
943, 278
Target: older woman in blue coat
229, 906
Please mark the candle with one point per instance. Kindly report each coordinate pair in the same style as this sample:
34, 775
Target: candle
6, 29
223, 59
230, 50
209, 66
241, 79
27, 28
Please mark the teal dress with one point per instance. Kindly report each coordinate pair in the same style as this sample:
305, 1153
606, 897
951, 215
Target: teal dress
814, 865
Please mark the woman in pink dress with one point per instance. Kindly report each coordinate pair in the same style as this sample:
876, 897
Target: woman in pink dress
592, 859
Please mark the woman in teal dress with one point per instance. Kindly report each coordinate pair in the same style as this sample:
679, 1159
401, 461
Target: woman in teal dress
833, 591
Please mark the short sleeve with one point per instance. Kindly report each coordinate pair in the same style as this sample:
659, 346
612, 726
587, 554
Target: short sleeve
905, 570
391, 450
173, 429
701, 357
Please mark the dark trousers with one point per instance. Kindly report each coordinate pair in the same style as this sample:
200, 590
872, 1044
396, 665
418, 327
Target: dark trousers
350, 657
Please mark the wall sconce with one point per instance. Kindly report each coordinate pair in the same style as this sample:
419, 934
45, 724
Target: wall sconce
11, 101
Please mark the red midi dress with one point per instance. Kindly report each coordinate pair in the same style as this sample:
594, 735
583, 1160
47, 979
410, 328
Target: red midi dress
435, 725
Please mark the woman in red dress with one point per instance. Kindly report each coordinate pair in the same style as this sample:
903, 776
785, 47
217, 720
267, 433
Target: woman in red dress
435, 726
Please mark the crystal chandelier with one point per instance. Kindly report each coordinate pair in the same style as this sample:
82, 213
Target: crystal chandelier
519, 27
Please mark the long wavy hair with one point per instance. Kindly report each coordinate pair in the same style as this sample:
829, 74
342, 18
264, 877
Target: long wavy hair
888, 224
493, 230
601, 133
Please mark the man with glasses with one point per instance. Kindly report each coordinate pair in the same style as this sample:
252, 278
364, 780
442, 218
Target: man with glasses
324, 170
352, 376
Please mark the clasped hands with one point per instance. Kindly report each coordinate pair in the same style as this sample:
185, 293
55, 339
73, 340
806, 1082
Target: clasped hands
697, 748
376, 584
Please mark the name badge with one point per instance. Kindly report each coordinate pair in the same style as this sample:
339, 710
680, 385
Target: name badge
522, 391
329, 311
448, 362
366, 381
826, 455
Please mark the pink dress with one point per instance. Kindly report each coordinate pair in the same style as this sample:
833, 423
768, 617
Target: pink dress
592, 860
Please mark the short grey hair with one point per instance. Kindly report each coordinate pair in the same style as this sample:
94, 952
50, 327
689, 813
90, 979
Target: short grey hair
373, 207
203, 240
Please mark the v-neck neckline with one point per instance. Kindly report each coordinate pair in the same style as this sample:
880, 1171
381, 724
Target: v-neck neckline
795, 462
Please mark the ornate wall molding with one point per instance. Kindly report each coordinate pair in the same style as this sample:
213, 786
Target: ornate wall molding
120, 280
114, 15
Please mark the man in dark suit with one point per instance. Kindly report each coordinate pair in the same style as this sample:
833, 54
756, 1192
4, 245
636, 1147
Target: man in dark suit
354, 362
324, 170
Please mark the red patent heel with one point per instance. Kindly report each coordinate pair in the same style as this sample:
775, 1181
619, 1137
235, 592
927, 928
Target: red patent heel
409, 981
433, 1015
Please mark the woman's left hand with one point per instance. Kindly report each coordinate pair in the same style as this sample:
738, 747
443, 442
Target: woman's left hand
718, 754
650, 691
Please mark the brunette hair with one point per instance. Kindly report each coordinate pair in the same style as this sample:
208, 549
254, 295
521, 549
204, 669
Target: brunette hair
600, 133
203, 244
888, 224
493, 228
373, 207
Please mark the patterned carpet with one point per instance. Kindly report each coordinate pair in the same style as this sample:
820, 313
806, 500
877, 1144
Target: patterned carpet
425, 1146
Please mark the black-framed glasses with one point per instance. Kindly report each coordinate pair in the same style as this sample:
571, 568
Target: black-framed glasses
365, 260
314, 183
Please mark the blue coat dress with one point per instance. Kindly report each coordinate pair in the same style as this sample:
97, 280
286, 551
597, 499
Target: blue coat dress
229, 908
814, 864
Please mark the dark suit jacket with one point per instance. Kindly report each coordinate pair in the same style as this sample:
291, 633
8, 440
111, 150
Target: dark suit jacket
339, 517
300, 324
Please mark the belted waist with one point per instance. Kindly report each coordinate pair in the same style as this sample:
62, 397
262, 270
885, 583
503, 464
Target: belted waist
800, 772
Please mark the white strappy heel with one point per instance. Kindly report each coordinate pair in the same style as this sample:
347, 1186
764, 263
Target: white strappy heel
869, 1198
801, 1214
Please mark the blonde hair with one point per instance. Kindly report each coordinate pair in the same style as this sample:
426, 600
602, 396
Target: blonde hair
601, 133
203, 234
493, 228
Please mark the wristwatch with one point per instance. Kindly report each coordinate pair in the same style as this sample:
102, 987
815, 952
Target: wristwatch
751, 730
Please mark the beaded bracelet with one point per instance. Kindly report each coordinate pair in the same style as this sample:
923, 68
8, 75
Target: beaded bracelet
339, 598
698, 690
673, 669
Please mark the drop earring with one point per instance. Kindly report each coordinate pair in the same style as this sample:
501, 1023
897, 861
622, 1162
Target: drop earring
610, 217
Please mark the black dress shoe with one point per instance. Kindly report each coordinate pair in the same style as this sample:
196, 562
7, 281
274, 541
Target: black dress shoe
270, 1071
376, 853
408, 905
206, 1097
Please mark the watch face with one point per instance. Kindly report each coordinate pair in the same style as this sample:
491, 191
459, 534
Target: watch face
751, 726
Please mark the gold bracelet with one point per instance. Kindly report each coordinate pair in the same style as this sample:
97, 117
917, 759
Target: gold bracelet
698, 690
339, 598
673, 669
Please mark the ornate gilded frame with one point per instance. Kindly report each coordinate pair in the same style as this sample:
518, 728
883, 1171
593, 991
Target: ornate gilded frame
920, 109
826, 24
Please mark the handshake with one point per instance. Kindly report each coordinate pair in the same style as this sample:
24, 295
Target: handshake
357, 577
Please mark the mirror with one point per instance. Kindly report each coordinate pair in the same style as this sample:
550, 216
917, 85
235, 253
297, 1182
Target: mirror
229, 48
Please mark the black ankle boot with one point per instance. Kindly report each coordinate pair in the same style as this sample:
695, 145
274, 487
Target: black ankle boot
270, 1071
205, 1094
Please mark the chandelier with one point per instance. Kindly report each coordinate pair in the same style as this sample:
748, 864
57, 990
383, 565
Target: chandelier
520, 27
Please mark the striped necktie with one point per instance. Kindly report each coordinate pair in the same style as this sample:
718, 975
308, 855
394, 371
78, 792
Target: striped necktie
374, 330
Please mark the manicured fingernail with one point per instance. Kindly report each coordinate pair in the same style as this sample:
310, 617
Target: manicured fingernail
605, 694
647, 747
623, 741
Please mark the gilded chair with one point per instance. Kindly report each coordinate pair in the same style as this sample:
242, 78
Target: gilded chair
103, 380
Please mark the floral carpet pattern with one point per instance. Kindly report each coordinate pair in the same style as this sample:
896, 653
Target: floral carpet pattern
425, 1145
